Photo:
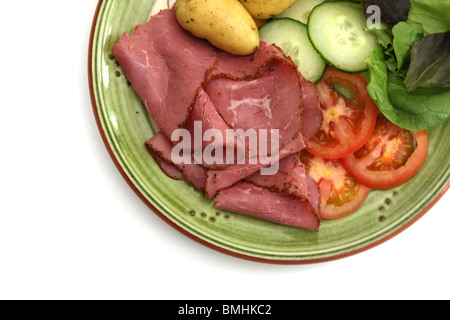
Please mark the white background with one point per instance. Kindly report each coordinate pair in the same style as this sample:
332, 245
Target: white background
71, 228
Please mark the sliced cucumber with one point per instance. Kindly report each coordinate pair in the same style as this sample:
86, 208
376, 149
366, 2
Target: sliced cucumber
292, 37
300, 10
344, 91
337, 29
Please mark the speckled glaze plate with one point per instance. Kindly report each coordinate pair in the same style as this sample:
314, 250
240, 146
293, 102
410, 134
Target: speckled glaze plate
125, 126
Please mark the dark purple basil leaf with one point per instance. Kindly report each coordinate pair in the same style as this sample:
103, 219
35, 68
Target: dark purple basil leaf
430, 62
392, 11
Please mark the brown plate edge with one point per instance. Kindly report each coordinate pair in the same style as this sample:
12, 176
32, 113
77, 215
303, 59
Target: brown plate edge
201, 241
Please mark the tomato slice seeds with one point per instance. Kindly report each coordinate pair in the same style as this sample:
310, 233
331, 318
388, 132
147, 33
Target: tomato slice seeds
340, 193
391, 157
347, 123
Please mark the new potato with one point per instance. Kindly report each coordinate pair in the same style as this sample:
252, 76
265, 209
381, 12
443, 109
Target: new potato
266, 9
224, 23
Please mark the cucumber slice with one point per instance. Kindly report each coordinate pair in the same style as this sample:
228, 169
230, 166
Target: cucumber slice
300, 10
292, 37
337, 30
344, 91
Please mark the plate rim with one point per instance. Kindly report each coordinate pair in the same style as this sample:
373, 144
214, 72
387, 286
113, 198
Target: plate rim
205, 243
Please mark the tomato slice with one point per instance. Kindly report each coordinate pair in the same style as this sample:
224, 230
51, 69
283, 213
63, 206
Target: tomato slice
347, 123
391, 157
340, 193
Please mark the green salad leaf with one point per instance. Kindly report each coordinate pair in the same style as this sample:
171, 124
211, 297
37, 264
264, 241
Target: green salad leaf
433, 15
421, 109
384, 36
378, 85
405, 35
410, 74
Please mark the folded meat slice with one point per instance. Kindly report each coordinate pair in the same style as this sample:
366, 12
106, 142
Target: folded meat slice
249, 199
219, 179
311, 114
167, 167
247, 67
161, 147
313, 193
207, 126
290, 178
166, 66
289, 197
271, 101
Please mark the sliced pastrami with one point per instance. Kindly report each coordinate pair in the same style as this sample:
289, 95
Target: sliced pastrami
247, 67
183, 80
290, 178
248, 199
166, 67
220, 179
194, 174
168, 168
311, 114
272, 101
207, 126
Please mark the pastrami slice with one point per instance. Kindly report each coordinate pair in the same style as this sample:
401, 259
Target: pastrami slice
208, 132
247, 67
168, 168
166, 67
221, 179
162, 147
311, 114
290, 179
248, 199
271, 101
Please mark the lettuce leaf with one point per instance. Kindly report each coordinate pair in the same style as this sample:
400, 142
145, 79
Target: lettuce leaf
378, 85
434, 15
405, 35
424, 108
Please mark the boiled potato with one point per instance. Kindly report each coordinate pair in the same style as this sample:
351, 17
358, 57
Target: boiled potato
266, 9
226, 24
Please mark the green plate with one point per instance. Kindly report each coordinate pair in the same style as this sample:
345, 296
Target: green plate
125, 126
